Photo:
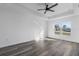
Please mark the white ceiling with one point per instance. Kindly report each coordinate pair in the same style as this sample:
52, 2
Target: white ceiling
60, 9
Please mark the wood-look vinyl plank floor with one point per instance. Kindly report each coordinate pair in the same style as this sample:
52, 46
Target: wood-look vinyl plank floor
42, 48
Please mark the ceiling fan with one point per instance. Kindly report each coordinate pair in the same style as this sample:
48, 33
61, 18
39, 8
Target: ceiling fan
47, 8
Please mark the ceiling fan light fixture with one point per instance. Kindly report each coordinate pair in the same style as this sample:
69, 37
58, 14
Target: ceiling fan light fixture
47, 8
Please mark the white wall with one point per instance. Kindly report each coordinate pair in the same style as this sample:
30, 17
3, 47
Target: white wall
18, 25
74, 37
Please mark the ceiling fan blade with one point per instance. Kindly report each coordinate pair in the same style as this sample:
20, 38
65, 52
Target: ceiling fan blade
45, 11
40, 9
52, 10
53, 5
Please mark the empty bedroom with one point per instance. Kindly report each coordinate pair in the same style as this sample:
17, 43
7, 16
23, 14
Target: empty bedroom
39, 29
